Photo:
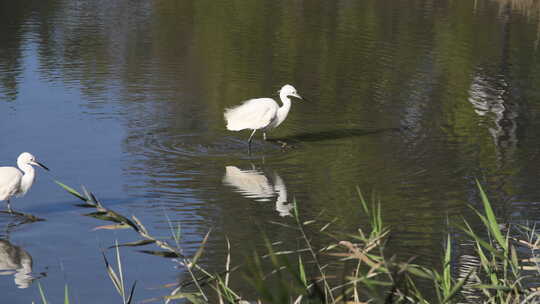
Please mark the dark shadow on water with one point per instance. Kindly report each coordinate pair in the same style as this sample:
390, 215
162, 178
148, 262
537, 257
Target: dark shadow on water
68, 205
25, 217
333, 134
10, 222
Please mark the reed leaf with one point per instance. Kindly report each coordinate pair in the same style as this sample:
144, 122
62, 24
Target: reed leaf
468, 230
71, 191
302, 271
112, 227
447, 275
492, 220
66, 294
102, 215
199, 251
141, 228
42, 294
492, 286
453, 292
228, 263
190, 296
130, 298
85, 205
165, 254
421, 272
113, 276
133, 244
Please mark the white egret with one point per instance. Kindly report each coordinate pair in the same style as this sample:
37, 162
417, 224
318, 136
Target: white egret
14, 182
260, 113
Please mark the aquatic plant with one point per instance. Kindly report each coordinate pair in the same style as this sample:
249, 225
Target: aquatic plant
301, 276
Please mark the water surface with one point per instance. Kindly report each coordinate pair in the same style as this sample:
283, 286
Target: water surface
409, 101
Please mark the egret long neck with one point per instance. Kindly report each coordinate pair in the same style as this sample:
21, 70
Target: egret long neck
283, 111
27, 179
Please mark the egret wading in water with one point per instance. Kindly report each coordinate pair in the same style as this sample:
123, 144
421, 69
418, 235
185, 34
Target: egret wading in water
260, 113
17, 182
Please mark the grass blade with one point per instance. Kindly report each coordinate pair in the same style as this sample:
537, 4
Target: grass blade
133, 244
228, 264
302, 271
120, 272
42, 294
200, 250
66, 295
492, 220
457, 288
131, 292
112, 275
71, 191
165, 254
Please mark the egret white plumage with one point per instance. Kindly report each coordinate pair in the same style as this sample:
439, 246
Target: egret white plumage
16, 182
261, 113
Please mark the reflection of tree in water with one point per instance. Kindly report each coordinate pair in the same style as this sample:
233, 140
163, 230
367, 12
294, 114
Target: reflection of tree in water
528, 8
13, 17
525, 7
89, 43
491, 100
492, 97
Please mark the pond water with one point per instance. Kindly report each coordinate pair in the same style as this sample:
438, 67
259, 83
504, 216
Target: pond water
410, 101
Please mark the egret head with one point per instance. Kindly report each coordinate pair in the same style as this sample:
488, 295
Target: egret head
289, 91
28, 159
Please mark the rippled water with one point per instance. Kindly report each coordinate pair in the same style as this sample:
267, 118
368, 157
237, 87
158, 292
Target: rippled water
409, 101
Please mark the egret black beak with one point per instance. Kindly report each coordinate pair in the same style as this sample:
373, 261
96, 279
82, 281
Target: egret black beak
40, 164
296, 96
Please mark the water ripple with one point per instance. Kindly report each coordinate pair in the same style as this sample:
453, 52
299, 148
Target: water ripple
169, 145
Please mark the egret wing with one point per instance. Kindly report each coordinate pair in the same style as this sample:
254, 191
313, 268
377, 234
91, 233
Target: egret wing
10, 181
252, 114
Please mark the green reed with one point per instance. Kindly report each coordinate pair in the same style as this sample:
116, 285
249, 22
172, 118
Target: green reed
283, 276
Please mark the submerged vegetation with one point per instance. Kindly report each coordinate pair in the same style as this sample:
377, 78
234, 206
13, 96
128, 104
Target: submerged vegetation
507, 268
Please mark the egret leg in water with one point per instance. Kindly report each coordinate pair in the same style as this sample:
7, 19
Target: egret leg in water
17, 181
260, 113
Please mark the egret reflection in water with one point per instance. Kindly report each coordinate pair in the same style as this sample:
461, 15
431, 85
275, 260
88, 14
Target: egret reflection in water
17, 262
255, 184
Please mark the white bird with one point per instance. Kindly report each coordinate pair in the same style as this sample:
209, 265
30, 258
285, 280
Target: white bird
261, 113
14, 182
